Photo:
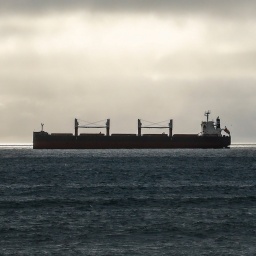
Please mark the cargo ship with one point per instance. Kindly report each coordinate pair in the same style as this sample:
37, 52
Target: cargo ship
209, 137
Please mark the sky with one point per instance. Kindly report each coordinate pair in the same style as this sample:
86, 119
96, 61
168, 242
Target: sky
124, 60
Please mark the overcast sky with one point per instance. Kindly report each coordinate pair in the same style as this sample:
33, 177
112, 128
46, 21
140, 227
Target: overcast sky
124, 60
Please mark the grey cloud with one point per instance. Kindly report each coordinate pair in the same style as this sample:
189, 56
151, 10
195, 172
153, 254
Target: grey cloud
8, 30
223, 8
237, 64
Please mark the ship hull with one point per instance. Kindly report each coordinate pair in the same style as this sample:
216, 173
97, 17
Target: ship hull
43, 140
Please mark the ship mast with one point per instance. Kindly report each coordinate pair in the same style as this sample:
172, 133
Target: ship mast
207, 113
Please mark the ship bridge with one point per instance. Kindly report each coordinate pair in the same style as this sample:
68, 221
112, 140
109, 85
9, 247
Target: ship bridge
210, 128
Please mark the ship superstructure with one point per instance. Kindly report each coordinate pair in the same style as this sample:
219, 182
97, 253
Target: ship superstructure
209, 128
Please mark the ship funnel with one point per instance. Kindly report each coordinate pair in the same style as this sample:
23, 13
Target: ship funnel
218, 123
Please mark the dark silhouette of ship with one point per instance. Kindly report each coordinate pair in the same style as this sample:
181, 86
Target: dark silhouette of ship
209, 137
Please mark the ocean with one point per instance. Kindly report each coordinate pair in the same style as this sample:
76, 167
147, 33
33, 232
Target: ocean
128, 202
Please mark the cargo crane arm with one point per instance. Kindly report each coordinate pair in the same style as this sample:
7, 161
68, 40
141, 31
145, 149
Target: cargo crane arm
92, 125
152, 126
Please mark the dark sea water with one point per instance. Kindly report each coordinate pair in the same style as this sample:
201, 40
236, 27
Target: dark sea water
128, 202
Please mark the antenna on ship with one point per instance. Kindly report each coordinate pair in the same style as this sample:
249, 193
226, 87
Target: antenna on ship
42, 127
207, 113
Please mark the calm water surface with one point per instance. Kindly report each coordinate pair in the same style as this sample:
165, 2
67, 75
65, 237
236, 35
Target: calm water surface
128, 202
